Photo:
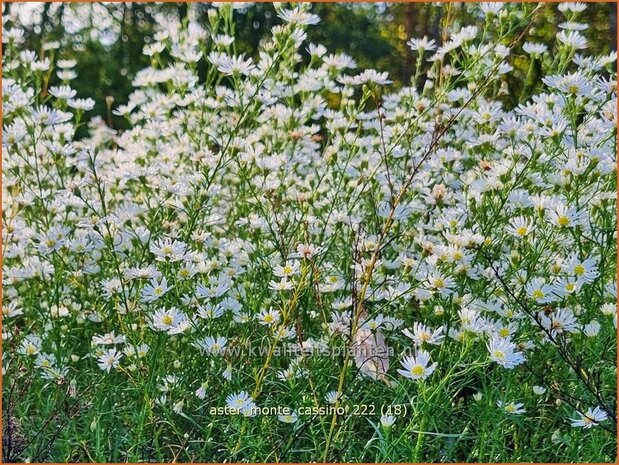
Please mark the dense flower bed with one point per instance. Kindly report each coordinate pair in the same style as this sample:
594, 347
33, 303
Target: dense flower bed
413, 274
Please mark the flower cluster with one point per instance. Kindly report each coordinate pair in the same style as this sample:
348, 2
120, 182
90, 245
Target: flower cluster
286, 197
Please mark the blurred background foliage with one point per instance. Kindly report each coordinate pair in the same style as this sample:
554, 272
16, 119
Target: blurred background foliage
107, 38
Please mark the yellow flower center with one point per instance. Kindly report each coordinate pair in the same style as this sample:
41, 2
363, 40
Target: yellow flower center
498, 354
538, 294
167, 320
522, 230
417, 370
579, 270
563, 221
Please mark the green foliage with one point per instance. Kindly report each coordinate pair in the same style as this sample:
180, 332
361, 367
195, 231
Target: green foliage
374, 34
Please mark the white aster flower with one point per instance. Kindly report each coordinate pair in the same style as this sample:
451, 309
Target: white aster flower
416, 367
